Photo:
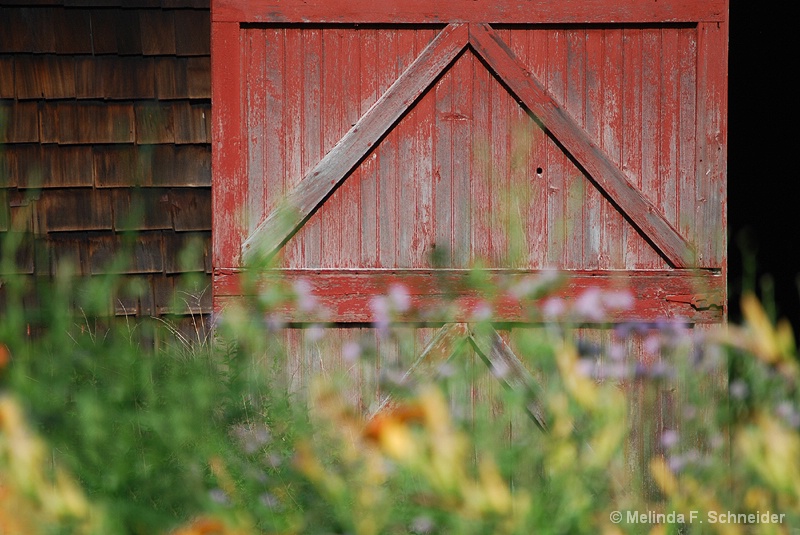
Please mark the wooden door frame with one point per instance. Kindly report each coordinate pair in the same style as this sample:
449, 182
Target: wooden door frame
696, 295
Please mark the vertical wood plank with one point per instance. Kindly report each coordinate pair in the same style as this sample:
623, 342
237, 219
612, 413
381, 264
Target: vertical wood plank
405, 182
651, 130
387, 155
522, 184
368, 182
593, 112
556, 161
351, 189
480, 187
293, 134
329, 216
255, 63
575, 103
275, 101
539, 225
498, 180
631, 131
445, 153
712, 128
612, 252
461, 177
312, 133
423, 235
687, 88
227, 163
668, 121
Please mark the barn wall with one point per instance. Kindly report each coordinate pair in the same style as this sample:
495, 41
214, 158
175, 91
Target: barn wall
105, 128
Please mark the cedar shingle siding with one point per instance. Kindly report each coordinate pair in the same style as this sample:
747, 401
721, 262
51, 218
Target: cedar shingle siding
105, 117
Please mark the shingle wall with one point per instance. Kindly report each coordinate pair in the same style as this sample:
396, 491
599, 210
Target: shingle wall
105, 120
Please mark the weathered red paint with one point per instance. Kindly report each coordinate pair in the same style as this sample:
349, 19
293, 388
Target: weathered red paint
480, 11
587, 137
436, 295
392, 143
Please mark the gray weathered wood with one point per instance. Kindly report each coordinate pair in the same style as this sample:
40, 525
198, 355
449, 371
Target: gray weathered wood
301, 201
607, 175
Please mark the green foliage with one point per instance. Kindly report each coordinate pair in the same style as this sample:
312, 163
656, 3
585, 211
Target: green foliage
135, 431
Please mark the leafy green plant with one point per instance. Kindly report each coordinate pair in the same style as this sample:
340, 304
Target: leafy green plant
137, 436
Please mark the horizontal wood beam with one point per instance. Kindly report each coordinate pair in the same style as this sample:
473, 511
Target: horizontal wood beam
490, 11
605, 173
312, 190
347, 296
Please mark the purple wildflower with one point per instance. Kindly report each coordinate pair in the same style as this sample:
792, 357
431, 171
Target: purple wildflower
553, 308
351, 351
306, 301
589, 305
669, 438
399, 298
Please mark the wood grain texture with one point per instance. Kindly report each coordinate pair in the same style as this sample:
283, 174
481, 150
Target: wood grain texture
230, 194
334, 166
488, 11
581, 147
346, 295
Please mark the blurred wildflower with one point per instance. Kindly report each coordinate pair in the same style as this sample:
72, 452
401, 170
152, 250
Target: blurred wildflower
399, 298
351, 352
789, 413
554, 308
251, 437
589, 305
381, 311
315, 333
669, 438
422, 525
35, 494
306, 300
738, 389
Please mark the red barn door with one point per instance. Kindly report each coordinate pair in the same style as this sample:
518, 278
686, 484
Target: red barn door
366, 143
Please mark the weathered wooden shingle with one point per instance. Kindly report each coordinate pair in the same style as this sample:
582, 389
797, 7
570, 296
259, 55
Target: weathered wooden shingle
76, 209
158, 32
52, 166
186, 251
192, 121
190, 208
192, 33
154, 123
22, 208
73, 31
8, 169
178, 78
198, 79
87, 122
6, 76
115, 254
129, 36
45, 76
104, 30
181, 165
18, 122
23, 257
4, 216
81, 128
114, 77
141, 209
122, 166
69, 250
27, 29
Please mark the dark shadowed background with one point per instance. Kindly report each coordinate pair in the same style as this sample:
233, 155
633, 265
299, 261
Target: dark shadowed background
762, 173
